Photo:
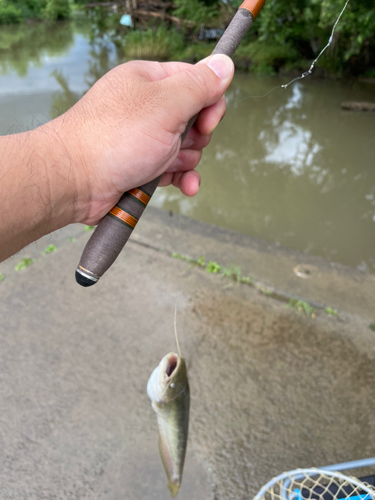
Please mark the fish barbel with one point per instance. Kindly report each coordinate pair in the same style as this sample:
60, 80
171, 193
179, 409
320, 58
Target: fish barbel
168, 389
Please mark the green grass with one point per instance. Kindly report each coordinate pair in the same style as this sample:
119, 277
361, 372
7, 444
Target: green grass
49, 249
302, 307
25, 262
160, 44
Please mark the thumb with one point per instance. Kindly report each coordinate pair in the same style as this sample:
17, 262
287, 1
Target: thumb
187, 92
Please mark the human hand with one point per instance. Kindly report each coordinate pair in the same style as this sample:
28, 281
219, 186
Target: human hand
126, 131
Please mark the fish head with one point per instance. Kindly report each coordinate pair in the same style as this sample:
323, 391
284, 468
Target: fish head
168, 380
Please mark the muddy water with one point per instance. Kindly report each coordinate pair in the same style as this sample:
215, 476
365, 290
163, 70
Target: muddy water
291, 167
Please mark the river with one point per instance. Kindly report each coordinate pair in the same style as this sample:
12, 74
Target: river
291, 168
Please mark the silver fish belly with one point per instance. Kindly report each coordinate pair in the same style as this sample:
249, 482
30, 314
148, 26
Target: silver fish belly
168, 389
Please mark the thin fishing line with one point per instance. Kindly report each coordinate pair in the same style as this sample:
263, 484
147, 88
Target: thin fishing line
175, 329
307, 73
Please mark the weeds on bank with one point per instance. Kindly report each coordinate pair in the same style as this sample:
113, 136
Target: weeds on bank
234, 273
161, 44
213, 267
302, 307
49, 249
25, 262
331, 311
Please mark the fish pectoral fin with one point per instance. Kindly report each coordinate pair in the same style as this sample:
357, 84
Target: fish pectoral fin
173, 488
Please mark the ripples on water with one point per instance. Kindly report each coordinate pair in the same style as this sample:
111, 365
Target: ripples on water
291, 168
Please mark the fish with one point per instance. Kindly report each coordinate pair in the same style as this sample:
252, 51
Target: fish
168, 389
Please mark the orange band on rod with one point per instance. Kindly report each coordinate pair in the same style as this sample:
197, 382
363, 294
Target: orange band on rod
253, 6
140, 195
125, 217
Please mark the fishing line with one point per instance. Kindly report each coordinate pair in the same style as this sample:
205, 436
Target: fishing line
175, 328
310, 70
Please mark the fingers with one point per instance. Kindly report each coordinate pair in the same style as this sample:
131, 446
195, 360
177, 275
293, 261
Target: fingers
187, 159
209, 118
187, 92
187, 182
196, 140
200, 135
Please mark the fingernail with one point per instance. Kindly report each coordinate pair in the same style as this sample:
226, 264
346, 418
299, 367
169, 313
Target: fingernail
221, 65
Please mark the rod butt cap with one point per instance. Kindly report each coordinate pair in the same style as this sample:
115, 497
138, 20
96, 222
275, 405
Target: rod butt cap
84, 280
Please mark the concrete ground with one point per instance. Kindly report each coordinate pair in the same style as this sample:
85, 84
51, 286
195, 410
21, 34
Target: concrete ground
271, 389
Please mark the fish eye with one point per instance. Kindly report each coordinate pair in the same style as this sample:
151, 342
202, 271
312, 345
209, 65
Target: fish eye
172, 385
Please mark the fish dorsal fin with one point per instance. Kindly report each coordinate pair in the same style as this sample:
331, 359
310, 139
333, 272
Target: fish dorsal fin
175, 330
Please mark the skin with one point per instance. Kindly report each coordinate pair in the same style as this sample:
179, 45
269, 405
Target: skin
123, 133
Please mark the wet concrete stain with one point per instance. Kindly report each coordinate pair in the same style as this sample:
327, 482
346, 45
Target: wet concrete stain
276, 391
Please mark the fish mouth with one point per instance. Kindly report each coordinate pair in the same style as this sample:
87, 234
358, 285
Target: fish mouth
171, 365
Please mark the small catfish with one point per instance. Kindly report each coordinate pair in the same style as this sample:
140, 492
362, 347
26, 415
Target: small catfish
168, 389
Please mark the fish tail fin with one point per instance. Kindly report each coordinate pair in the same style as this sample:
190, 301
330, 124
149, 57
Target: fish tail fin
173, 488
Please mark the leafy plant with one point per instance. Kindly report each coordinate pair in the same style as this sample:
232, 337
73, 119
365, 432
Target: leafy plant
49, 249
200, 261
57, 10
213, 267
207, 12
25, 262
302, 307
9, 14
331, 311
232, 271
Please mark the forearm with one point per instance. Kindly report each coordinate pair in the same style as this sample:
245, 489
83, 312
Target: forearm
37, 188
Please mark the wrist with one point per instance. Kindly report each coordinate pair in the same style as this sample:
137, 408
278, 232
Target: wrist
62, 167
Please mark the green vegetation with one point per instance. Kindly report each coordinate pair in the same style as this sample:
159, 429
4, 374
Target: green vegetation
331, 311
1, 277
25, 262
286, 35
9, 13
57, 10
302, 307
89, 228
49, 249
14, 11
232, 272
161, 44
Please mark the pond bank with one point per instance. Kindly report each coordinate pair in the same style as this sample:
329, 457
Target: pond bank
271, 389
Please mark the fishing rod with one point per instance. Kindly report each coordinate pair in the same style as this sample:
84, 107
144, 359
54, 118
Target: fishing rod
114, 230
